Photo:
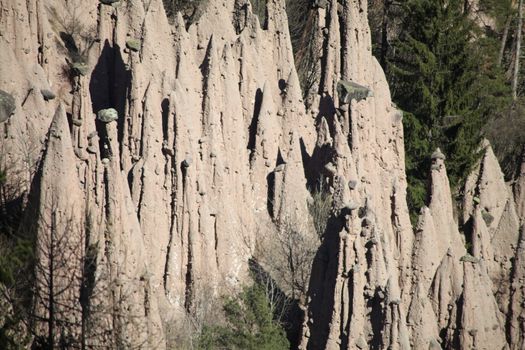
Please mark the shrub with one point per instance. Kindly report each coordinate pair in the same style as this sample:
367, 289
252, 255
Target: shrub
249, 325
320, 208
76, 37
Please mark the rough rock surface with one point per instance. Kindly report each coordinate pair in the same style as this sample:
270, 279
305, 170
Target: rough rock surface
362, 268
516, 319
213, 138
519, 189
496, 216
59, 203
431, 270
170, 193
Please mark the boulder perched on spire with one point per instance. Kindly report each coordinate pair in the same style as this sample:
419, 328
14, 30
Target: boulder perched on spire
348, 91
7, 106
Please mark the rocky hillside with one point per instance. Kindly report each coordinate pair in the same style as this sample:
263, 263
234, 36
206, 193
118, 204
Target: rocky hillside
155, 156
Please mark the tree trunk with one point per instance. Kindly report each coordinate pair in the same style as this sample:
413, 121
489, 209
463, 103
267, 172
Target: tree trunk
384, 33
518, 52
51, 295
504, 40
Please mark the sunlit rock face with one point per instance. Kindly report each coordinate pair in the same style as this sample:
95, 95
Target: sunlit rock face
376, 283
166, 150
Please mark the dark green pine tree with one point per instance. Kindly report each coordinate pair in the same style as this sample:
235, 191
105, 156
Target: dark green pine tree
442, 74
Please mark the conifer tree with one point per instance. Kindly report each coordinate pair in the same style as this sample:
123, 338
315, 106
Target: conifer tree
445, 79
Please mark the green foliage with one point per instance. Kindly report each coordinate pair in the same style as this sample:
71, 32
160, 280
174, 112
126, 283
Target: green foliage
14, 260
16, 247
417, 163
16, 257
442, 74
320, 208
16, 268
249, 325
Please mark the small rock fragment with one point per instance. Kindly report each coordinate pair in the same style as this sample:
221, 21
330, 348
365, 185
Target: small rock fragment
330, 167
351, 205
7, 106
47, 94
434, 345
487, 217
187, 162
343, 107
469, 258
80, 68
348, 91
133, 45
322, 4
279, 168
438, 155
107, 115
367, 222
361, 343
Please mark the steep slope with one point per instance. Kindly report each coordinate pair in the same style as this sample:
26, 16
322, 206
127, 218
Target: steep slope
174, 187
364, 262
374, 283
59, 209
171, 152
488, 197
519, 189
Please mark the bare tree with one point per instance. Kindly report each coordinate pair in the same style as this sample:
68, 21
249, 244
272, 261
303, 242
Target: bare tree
18, 162
279, 302
504, 40
183, 330
76, 303
287, 254
518, 51
77, 38
15, 261
58, 279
